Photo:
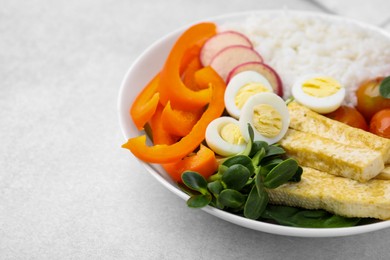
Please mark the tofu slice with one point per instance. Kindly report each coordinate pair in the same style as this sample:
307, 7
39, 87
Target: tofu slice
361, 164
342, 196
385, 174
306, 120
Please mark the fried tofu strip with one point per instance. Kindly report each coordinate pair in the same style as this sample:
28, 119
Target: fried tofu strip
361, 164
306, 120
385, 174
342, 196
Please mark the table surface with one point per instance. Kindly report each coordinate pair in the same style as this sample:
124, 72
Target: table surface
67, 189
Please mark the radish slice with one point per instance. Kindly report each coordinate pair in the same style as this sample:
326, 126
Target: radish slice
268, 72
221, 41
230, 57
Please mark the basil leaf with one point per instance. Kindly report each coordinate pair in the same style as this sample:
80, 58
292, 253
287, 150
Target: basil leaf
384, 87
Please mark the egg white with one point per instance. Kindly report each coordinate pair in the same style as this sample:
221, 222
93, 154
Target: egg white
247, 116
216, 142
238, 81
320, 105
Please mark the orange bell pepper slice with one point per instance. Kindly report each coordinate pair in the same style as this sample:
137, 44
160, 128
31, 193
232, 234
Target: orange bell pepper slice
204, 162
179, 122
171, 86
145, 104
188, 75
175, 152
189, 56
159, 134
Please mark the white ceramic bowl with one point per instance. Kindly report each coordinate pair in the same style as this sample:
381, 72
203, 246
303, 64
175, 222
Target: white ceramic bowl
141, 72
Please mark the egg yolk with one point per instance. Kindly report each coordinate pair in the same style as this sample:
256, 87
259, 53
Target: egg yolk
321, 87
247, 91
267, 120
231, 133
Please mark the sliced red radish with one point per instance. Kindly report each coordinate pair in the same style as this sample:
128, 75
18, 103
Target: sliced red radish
268, 72
221, 41
230, 57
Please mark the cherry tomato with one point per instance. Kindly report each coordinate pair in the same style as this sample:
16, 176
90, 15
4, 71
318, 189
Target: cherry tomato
369, 100
380, 123
349, 116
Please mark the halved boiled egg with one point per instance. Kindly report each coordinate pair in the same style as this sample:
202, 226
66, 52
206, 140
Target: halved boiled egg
320, 93
268, 115
242, 86
223, 136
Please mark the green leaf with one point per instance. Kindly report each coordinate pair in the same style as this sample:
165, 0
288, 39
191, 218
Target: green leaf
274, 150
242, 160
187, 190
297, 217
281, 173
199, 201
231, 198
215, 203
248, 186
258, 157
222, 169
248, 147
215, 187
236, 177
257, 146
297, 176
218, 174
271, 161
289, 100
269, 165
251, 132
264, 171
256, 202
195, 181
384, 87
259, 183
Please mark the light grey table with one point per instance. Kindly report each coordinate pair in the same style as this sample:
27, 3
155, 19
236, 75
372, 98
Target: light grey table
67, 189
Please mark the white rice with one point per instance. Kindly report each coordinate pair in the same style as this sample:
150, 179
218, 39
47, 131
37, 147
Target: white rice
296, 44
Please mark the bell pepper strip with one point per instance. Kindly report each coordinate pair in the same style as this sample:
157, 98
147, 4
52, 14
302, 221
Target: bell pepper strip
162, 153
191, 54
145, 103
179, 122
189, 73
159, 134
171, 86
203, 162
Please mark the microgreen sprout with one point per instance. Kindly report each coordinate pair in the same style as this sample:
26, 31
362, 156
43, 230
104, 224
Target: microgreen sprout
240, 183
